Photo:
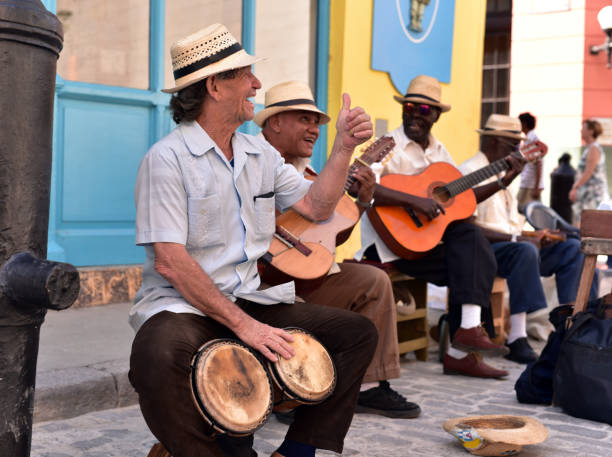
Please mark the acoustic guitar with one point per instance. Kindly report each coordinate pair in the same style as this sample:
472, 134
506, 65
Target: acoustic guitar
411, 235
303, 250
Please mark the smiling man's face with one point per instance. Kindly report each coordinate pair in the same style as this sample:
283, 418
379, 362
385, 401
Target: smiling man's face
418, 121
299, 131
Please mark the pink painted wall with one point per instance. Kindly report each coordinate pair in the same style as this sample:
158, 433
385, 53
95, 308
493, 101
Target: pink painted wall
597, 89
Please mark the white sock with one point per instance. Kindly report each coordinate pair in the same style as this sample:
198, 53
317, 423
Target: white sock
470, 316
367, 386
518, 327
456, 353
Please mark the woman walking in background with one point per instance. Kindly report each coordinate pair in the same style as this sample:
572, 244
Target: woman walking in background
591, 185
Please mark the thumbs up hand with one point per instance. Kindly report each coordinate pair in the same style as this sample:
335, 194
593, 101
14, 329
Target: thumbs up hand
353, 125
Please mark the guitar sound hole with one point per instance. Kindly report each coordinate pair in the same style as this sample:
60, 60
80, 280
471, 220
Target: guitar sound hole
441, 194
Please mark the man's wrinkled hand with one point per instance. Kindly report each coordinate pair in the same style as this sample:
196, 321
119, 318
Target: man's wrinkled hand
353, 125
266, 339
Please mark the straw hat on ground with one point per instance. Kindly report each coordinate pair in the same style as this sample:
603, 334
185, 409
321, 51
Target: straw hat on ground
289, 96
502, 125
424, 89
205, 53
496, 435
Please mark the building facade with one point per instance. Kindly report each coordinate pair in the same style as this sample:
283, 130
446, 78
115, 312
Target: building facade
109, 108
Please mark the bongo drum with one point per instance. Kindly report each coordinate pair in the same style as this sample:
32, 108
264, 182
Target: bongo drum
230, 387
309, 377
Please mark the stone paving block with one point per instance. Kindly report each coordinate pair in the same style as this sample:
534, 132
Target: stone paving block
122, 432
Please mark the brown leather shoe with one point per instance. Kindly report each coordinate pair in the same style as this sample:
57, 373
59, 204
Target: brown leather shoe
471, 365
477, 339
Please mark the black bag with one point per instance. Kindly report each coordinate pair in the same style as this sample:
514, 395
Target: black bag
583, 376
535, 384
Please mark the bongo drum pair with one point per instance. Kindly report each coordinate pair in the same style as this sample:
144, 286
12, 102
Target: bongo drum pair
235, 392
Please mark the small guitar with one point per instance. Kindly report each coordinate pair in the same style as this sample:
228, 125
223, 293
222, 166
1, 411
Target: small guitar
303, 250
548, 236
410, 235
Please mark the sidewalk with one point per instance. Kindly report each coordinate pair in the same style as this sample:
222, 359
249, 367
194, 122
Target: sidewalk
82, 375
83, 362
83, 358
82, 392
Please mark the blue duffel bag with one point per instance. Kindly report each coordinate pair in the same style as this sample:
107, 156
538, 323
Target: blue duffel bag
583, 375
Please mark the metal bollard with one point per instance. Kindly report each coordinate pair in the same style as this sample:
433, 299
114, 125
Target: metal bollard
30, 41
561, 182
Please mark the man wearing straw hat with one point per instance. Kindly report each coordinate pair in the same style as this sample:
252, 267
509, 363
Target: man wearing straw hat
464, 261
520, 259
290, 122
205, 198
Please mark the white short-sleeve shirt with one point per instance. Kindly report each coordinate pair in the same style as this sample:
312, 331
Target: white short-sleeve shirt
187, 192
498, 212
407, 158
528, 175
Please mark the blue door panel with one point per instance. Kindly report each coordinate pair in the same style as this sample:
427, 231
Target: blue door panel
98, 246
103, 145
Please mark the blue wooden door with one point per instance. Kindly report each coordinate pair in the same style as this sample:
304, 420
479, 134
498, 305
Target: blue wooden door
101, 132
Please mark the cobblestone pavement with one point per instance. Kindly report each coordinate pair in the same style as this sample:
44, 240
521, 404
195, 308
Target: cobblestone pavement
122, 432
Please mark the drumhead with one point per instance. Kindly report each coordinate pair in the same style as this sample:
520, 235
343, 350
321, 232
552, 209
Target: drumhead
310, 375
231, 387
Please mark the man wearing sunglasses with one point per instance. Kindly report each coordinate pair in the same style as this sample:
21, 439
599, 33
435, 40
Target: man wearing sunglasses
464, 261
521, 259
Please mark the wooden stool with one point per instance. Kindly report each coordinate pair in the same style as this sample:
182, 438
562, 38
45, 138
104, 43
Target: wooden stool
158, 450
498, 309
596, 233
412, 328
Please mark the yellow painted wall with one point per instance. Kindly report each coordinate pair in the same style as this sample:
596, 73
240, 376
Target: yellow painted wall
349, 71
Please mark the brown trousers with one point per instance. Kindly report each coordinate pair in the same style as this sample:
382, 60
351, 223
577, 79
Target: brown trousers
366, 290
160, 370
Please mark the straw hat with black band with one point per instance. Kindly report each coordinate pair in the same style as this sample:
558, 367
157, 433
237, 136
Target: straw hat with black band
502, 125
289, 96
424, 89
207, 52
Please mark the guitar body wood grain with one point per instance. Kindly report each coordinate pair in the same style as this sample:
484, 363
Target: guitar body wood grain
394, 224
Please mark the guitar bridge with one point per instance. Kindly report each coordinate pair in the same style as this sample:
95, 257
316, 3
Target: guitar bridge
414, 217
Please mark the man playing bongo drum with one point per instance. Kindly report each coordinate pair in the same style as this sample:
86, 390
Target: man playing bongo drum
205, 198
290, 122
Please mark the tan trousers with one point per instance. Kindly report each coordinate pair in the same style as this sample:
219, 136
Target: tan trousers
366, 290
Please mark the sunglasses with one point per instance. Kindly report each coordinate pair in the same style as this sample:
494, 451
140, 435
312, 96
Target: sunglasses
424, 110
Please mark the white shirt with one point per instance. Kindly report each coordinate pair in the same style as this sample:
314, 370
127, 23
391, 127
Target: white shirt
528, 175
407, 158
498, 212
187, 192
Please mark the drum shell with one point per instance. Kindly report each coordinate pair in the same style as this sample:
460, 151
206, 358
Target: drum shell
286, 397
256, 383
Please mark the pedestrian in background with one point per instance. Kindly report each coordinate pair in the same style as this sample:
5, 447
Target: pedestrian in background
591, 186
532, 181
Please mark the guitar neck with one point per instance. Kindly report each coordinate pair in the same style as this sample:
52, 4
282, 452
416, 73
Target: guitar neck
351, 180
472, 179
374, 153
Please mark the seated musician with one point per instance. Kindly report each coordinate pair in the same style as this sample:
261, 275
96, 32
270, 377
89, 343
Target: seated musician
521, 259
464, 261
290, 122
205, 198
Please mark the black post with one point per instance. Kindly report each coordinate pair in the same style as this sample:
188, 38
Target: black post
561, 182
30, 41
